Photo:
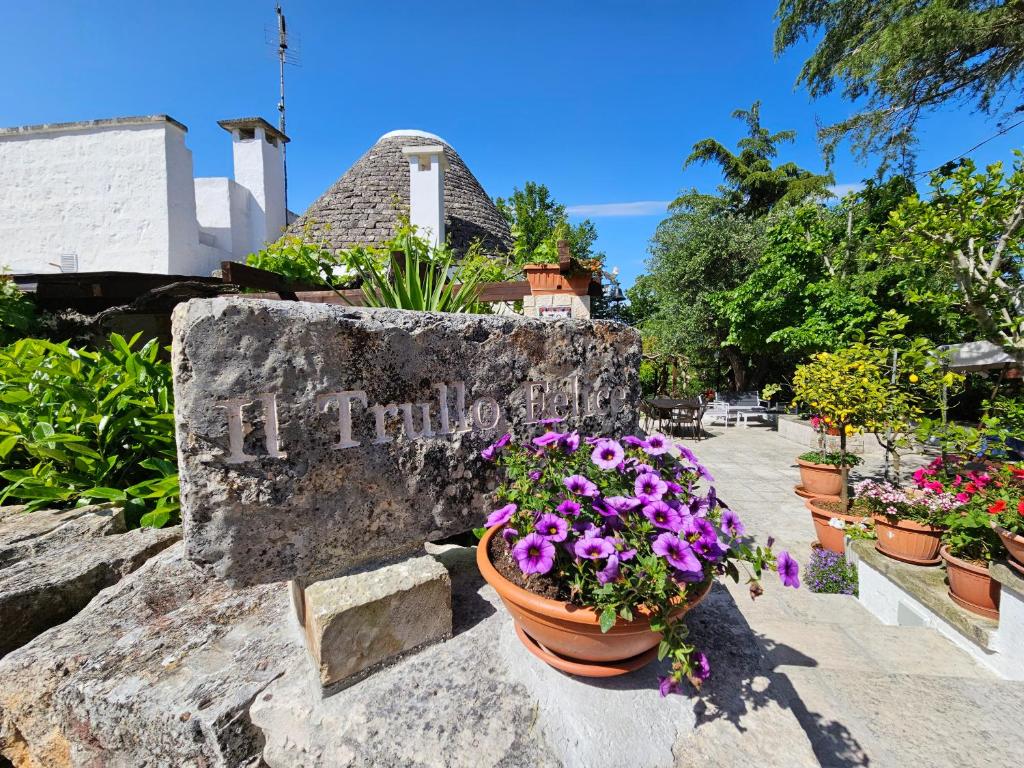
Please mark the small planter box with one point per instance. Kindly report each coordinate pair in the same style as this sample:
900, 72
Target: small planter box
548, 279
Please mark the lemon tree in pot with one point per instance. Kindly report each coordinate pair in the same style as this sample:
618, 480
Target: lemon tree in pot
602, 545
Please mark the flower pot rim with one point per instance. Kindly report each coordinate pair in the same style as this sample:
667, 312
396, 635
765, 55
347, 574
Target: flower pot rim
905, 524
1006, 532
541, 267
557, 609
815, 465
965, 564
809, 503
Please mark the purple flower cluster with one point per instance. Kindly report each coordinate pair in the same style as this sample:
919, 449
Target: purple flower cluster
624, 524
829, 573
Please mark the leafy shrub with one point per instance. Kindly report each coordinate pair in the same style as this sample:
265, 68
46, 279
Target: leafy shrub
829, 573
302, 261
17, 312
835, 458
80, 426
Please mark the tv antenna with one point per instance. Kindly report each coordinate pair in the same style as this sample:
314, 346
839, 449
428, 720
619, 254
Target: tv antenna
287, 53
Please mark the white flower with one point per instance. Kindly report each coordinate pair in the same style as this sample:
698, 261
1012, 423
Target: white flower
835, 522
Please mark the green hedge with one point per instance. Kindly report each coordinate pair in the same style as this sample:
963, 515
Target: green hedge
82, 426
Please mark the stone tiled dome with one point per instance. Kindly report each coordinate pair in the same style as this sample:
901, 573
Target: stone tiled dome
362, 207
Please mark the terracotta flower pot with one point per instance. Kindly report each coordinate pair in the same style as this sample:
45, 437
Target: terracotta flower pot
547, 279
1014, 544
829, 537
821, 479
908, 541
971, 587
569, 637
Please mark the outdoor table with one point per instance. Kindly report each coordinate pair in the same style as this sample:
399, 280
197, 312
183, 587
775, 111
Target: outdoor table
666, 406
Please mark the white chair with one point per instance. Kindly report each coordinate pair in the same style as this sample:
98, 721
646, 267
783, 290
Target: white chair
717, 412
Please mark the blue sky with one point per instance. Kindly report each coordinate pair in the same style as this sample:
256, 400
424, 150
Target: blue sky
600, 100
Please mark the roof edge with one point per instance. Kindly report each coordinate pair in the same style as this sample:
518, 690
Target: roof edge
412, 133
108, 122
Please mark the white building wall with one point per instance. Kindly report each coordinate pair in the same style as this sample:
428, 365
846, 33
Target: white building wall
259, 168
103, 191
184, 257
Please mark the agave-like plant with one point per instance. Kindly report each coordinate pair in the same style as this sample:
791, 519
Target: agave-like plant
425, 282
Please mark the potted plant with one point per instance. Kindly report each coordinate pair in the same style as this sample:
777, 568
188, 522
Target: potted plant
544, 270
967, 549
908, 523
1005, 505
834, 519
823, 473
601, 546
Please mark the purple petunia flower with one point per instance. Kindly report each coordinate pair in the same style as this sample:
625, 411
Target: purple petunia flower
731, 524
534, 554
662, 515
547, 439
668, 684
634, 442
492, 450
534, 475
501, 516
622, 503
678, 553
587, 528
610, 572
568, 507
607, 454
593, 548
508, 534
649, 487
552, 527
701, 667
570, 442
789, 570
640, 468
580, 485
655, 445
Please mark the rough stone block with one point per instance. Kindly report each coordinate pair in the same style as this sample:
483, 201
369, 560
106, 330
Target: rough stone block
53, 562
317, 439
357, 623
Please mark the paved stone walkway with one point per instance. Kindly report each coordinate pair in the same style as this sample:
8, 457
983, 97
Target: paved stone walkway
835, 686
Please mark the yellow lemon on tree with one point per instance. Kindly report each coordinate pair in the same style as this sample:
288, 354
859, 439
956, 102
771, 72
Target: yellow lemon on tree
913, 378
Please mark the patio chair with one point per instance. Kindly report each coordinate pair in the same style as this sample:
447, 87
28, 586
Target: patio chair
718, 411
690, 415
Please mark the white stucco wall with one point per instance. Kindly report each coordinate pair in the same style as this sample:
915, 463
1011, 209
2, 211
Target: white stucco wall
112, 192
184, 257
259, 168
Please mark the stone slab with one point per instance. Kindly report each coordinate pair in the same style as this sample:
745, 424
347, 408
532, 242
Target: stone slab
158, 670
278, 484
355, 624
53, 562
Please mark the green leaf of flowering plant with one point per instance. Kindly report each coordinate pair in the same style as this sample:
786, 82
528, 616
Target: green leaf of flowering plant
607, 618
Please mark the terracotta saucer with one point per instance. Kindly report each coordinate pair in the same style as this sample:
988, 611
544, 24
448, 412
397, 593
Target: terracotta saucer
988, 613
908, 560
803, 493
1014, 564
586, 668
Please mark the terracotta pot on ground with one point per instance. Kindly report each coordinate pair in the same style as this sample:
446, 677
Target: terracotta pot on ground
908, 541
570, 638
971, 587
547, 279
830, 538
821, 479
1014, 545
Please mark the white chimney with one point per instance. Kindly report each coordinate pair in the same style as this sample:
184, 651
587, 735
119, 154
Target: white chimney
257, 149
427, 165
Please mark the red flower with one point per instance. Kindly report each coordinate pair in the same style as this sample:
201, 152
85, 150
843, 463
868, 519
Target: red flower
970, 488
1017, 471
1020, 506
998, 507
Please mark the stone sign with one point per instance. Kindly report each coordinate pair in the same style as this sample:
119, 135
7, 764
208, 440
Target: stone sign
315, 439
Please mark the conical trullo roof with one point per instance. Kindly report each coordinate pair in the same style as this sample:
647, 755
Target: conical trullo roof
363, 206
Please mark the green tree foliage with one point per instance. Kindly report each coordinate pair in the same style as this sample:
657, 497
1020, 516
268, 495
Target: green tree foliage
753, 184
538, 221
700, 250
901, 59
80, 426
963, 249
